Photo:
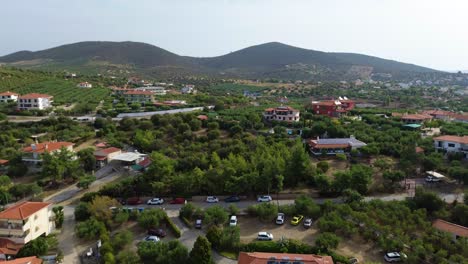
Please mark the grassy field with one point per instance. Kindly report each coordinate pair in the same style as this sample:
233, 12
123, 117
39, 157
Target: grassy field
233, 88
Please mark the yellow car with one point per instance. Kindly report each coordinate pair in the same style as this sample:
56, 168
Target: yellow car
297, 219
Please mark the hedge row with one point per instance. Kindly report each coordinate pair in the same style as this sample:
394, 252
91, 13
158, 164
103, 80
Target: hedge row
186, 221
172, 226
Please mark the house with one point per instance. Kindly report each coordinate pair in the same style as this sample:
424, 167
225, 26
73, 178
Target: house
26, 260
8, 96
415, 118
84, 85
333, 146
281, 258
120, 91
8, 248
460, 118
188, 89
34, 101
439, 114
104, 156
175, 102
333, 108
452, 144
455, 230
281, 113
26, 221
32, 153
134, 96
156, 90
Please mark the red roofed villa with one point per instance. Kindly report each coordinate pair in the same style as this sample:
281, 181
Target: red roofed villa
415, 118
26, 260
104, 156
281, 113
33, 152
8, 96
333, 108
455, 230
34, 101
277, 258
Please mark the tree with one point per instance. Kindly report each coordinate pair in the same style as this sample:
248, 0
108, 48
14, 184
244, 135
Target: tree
266, 211
306, 206
428, 200
127, 257
326, 241
150, 218
82, 212
59, 216
187, 211
201, 252
460, 214
323, 166
230, 238
393, 176
121, 239
213, 235
36, 247
85, 181
99, 208
90, 229
350, 196
60, 165
216, 215
87, 159
361, 178
5, 182
172, 252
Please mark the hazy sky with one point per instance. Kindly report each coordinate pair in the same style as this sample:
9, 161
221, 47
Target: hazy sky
431, 33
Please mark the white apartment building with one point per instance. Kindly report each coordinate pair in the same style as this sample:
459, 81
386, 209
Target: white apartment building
452, 144
34, 101
281, 113
8, 96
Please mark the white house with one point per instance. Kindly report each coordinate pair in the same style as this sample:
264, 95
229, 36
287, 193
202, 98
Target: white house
452, 144
281, 113
156, 90
8, 96
32, 153
84, 85
34, 101
26, 221
188, 89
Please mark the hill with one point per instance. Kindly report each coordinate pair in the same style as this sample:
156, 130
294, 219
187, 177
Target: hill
269, 60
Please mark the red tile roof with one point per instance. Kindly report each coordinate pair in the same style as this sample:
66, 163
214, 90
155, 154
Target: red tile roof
263, 257
47, 146
461, 117
8, 247
139, 92
419, 150
27, 260
145, 162
3, 162
416, 117
8, 93
202, 117
35, 96
450, 228
23, 210
105, 152
457, 139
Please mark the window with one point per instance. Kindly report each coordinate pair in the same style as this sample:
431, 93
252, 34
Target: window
451, 145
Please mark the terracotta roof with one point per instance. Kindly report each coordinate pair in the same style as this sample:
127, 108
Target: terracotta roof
145, 162
458, 139
450, 228
47, 146
8, 247
419, 150
416, 117
3, 162
461, 117
324, 103
105, 152
23, 210
35, 96
438, 113
202, 117
263, 257
139, 92
27, 260
281, 109
8, 93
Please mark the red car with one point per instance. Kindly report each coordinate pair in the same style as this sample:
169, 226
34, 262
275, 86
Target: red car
178, 201
156, 232
134, 201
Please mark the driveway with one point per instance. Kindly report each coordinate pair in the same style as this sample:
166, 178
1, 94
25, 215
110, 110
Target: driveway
68, 241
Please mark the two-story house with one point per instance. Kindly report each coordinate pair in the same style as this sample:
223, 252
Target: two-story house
333, 108
8, 96
282, 113
26, 221
452, 144
32, 154
135, 96
34, 101
415, 118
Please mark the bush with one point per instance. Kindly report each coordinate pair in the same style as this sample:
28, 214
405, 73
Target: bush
187, 211
172, 226
326, 241
323, 166
341, 156
186, 221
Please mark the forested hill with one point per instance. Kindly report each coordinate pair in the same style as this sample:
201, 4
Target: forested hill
270, 60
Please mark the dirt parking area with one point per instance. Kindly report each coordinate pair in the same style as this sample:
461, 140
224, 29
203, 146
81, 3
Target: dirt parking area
249, 228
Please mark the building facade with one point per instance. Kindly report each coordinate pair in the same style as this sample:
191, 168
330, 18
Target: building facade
282, 113
333, 146
452, 144
34, 101
8, 96
138, 96
26, 221
33, 153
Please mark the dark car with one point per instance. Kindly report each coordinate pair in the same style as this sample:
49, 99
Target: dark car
134, 201
178, 201
232, 199
156, 232
198, 223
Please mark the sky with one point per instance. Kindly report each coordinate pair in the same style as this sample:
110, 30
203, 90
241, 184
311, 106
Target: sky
431, 33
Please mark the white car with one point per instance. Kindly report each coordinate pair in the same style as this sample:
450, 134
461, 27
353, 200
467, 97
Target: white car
264, 198
280, 219
155, 201
233, 221
264, 236
394, 257
432, 179
212, 199
154, 239
308, 222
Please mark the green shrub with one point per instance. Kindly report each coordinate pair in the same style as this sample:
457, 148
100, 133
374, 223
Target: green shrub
186, 221
172, 226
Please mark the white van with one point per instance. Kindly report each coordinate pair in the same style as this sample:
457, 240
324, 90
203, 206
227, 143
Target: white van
233, 221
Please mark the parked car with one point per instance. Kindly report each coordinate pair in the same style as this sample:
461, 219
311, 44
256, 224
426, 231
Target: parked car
308, 222
159, 232
264, 198
264, 236
233, 221
212, 199
155, 201
198, 223
178, 200
394, 257
297, 219
280, 219
432, 179
134, 201
154, 239
232, 199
